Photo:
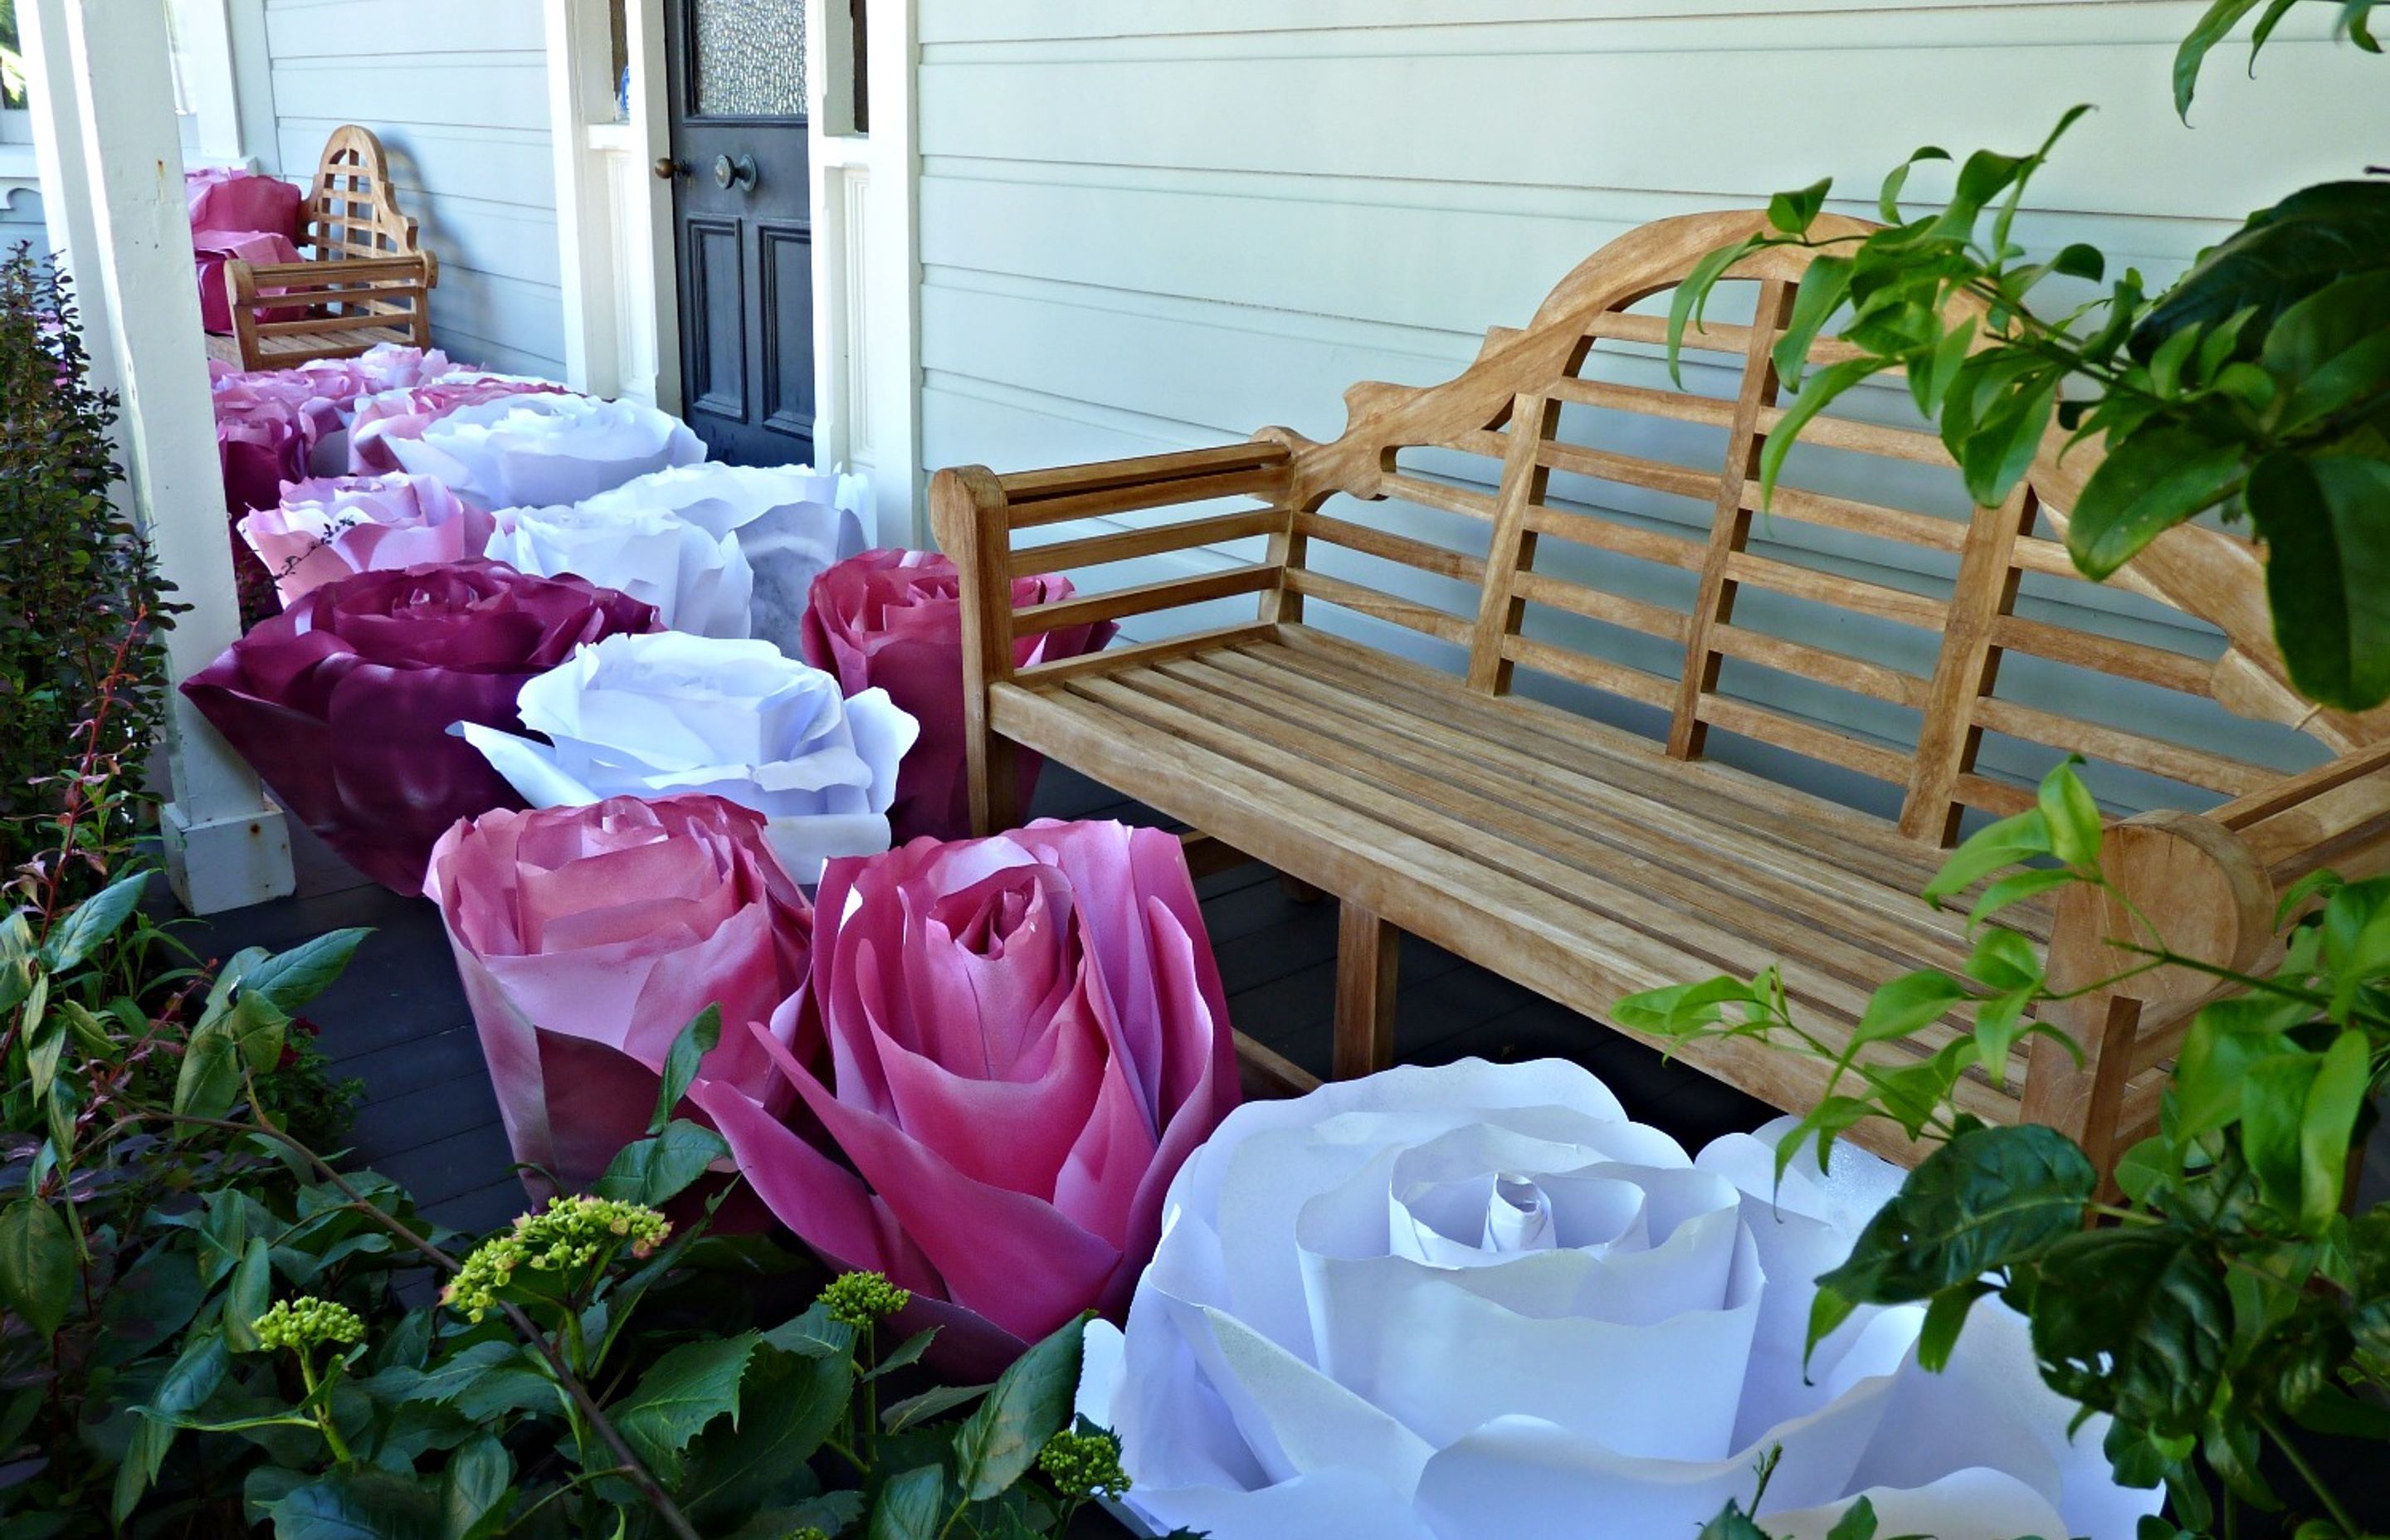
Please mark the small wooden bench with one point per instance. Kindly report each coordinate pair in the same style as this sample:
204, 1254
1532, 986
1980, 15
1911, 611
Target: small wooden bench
1593, 796
369, 282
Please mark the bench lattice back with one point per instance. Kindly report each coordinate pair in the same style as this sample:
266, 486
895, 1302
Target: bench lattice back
1623, 551
353, 209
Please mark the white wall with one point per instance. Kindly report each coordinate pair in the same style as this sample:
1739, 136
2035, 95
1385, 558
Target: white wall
20, 220
1168, 225
458, 89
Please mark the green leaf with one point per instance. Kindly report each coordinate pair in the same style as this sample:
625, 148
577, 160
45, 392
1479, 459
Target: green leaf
1857, 1523
2327, 1125
814, 1334
2161, 474
788, 1403
929, 1404
2009, 843
189, 1382
1984, 1201
2332, 350
910, 1505
1888, 200
1823, 289
1821, 391
1909, 1003
1793, 212
2017, 888
2212, 29
289, 979
2225, 1040
91, 922
2326, 524
1692, 298
248, 1295
1680, 1010
2135, 1322
686, 1388
447, 1377
2273, 1113
689, 1050
997, 1443
2072, 816
654, 1170
1731, 1524
37, 1264
474, 1485
1944, 1319
904, 1353
359, 1505
2318, 235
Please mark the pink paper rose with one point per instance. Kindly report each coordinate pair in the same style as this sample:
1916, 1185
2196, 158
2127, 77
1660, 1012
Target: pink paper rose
335, 527
405, 413
343, 701
588, 937
1025, 1036
893, 619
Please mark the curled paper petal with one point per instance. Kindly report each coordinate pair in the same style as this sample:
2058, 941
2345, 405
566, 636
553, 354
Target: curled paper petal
1478, 1296
343, 701
544, 451
893, 619
275, 426
589, 937
656, 716
792, 522
326, 530
227, 200
405, 410
697, 580
1022, 1038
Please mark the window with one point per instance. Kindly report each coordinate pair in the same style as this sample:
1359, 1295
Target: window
12, 60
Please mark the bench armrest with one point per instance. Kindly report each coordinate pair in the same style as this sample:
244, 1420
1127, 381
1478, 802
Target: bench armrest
2336, 814
314, 281
976, 513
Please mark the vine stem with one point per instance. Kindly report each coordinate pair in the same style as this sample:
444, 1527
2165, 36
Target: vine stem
634, 1468
2307, 1473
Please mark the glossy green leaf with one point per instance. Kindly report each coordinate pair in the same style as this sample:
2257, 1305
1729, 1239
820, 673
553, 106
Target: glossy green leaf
360, 1504
194, 1376
473, 1487
1030, 1403
789, 1403
289, 979
2318, 235
2072, 816
1944, 1316
933, 1401
2163, 474
683, 1391
2327, 1125
2010, 842
91, 922
2326, 524
1823, 289
2332, 349
1679, 1010
1888, 198
1905, 1005
2133, 1321
37, 1264
905, 1355
1857, 1523
1818, 391
1731, 1524
2018, 888
1688, 303
1984, 1201
911, 1506
248, 1294
1793, 212
654, 1170
689, 1050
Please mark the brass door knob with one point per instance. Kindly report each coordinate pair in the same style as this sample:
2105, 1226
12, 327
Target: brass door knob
666, 168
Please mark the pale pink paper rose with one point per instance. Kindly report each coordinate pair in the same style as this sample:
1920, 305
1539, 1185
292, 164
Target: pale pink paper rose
893, 619
588, 938
329, 528
404, 413
1025, 1037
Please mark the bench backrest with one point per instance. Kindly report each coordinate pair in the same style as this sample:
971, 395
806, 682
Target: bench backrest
1575, 515
353, 210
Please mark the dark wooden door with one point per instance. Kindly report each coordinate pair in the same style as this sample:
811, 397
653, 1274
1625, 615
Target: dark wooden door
742, 222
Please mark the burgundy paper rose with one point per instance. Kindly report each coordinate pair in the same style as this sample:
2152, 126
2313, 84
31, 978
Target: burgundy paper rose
894, 619
1022, 1038
342, 702
589, 937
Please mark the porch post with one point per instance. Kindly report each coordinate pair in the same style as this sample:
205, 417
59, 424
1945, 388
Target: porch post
226, 846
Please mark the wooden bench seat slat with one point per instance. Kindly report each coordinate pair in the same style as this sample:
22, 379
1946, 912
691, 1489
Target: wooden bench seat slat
1649, 687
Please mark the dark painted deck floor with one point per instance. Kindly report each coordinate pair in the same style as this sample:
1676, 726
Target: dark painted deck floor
398, 1020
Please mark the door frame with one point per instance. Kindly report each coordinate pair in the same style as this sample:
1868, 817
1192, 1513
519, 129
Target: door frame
616, 254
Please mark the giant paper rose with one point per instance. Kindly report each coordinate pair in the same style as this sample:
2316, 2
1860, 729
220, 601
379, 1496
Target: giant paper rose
790, 522
404, 411
326, 530
343, 701
656, 716
588, 937
893, 619
1475, 1302
1026, 1037
543, 451
699, 581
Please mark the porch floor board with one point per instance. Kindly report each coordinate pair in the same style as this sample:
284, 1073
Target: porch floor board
398, 1022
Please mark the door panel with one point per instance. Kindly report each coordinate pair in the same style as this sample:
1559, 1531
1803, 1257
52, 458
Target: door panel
741, 206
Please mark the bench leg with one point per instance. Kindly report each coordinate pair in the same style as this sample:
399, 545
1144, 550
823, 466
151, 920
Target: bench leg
2085, 1102
1366, 950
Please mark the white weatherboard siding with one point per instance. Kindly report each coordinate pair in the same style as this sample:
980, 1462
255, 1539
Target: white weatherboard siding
1164, 226
458, 90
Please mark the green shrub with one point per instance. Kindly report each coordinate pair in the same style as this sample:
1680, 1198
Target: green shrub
82, 669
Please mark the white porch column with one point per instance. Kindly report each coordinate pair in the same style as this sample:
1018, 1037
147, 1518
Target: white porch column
111, 105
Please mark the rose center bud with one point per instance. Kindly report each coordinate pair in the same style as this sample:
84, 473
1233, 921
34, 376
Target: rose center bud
1518, 1216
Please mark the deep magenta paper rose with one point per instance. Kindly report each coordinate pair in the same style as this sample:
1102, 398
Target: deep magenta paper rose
1023, 1037
342, 702
893, 619
589, 937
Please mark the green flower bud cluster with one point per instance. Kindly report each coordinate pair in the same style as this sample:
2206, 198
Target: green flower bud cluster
809, 1532
1083, 1465
306, 1322
862, 1299
573, 1232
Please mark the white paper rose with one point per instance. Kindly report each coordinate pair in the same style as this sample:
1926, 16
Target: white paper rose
674, 714
792, 522
699, 582
543, 450
1475, 1302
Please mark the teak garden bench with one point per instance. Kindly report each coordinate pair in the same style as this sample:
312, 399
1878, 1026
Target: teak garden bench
1624, 820
369, 282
